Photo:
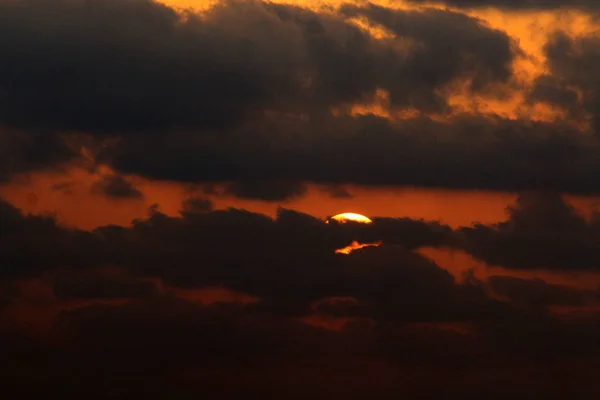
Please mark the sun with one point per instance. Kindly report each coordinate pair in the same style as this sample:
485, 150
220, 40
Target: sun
351, 217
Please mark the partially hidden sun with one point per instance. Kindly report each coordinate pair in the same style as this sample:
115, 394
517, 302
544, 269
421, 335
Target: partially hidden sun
351, 217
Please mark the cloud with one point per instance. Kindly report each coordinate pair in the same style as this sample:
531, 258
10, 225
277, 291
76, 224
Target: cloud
115, 186
461, 47
220, 115
574, 84
549, 89
196, 97
93, 284
117, 311
144, 72
162, 70
536, 292
370, 150
195, 205
542, 232
517, 4
64, 187
337, 192
289, 261
22, 152
32, 244
267, 191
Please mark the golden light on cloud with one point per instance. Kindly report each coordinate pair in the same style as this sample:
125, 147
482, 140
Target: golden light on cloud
530, 30
351, 217
355, 246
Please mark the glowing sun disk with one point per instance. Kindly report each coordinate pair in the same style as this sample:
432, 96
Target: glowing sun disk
352, 217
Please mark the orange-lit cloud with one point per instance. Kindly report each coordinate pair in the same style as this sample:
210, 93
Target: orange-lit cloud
355, 246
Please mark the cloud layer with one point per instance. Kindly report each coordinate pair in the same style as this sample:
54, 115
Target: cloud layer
261, 95
120, 300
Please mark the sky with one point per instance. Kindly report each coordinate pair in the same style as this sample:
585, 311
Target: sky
167, 170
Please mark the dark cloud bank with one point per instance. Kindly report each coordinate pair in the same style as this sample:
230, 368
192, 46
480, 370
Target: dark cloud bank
412, 325
243, 92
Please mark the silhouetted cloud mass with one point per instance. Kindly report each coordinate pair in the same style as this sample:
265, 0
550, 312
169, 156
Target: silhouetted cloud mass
402, 310
542, 232
198, 97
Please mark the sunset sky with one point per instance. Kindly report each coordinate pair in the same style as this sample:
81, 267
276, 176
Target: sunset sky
168, 171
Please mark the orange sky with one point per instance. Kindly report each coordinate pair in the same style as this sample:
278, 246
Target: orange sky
76, 206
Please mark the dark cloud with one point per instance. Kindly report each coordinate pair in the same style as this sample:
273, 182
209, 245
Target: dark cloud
543, 232
370, 150
109, 65
460, 47
190, 103
31, 244
536, 292
64, 187
549, 89
267, 191
404, 312
201, 95
171, 105
92, 284
27, 151
139, 65
572, 63
8, 292
115, 186
288, 262
337, 192
195, 205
